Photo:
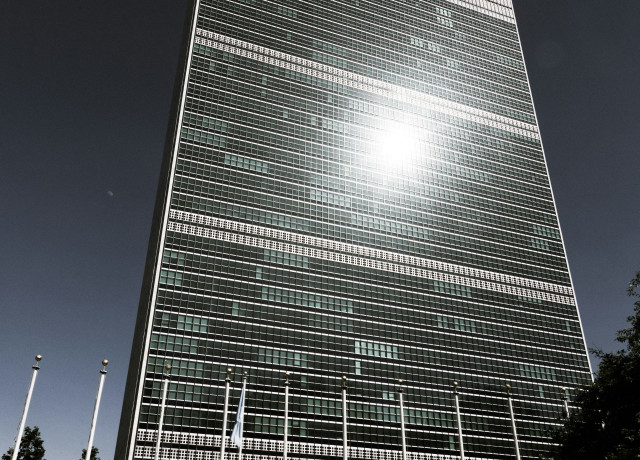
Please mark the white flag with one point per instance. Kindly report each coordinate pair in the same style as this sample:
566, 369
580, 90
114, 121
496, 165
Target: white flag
236, 434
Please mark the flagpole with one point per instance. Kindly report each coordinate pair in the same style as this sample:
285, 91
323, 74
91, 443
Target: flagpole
404, 439
96, 407
35, 368
286, 416
165, 388
566, 402
345, 454
513, 422
244, 387
227, 382
455, 394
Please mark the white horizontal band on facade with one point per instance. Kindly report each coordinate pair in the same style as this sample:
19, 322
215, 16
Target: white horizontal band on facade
436, 34
362, 262
265, 445
369, 252
401, 94
364, 83
361, 82
500, 9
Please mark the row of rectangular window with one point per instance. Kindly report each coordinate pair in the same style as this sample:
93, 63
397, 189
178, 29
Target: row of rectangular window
511, 346
404, 216
552, 330
326, 156
253, 113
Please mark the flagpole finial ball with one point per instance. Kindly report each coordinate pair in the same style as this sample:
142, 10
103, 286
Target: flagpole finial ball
455, 384
287, 374
344, 378
564, 389
245, 373
507, 386
400, 381
105, 362
229, 370
167, 367
38, 357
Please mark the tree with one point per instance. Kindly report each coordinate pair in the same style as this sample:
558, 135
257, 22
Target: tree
31, 447
94, 454
607, 425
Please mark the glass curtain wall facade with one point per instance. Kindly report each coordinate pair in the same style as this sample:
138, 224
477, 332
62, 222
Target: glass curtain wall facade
358, 188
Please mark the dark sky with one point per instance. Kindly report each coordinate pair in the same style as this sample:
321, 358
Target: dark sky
85, 90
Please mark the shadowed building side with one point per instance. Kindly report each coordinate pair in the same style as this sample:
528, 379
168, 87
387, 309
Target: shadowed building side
141, 331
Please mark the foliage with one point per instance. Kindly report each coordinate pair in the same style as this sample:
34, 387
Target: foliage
94, 454
607, 425
31, 447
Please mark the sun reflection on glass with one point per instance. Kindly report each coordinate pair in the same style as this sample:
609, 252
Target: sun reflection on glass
395, 146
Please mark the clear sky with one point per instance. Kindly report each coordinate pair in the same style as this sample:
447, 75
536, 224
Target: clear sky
85, 89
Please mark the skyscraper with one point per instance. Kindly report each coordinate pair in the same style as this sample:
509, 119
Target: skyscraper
357, 188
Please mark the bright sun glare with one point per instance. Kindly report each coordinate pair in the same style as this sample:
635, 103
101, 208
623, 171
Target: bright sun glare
395, 146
